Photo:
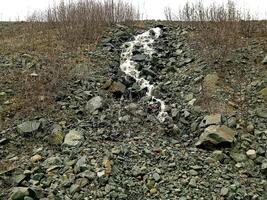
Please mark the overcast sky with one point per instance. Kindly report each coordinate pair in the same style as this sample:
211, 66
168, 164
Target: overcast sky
153, 9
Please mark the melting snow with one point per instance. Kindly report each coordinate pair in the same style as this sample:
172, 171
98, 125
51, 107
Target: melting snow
128, 66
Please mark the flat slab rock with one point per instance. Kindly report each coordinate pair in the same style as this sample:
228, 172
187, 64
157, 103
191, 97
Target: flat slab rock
73, 138
94, 104
28, 127
215, 136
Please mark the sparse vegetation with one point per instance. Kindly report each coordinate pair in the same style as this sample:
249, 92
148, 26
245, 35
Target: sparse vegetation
72, 28
95, 104
220, 31
84, 21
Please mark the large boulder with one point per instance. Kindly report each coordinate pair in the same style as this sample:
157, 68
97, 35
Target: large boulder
216, 136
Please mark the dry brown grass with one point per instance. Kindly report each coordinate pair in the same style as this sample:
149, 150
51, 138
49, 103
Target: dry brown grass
72, 28
219, 31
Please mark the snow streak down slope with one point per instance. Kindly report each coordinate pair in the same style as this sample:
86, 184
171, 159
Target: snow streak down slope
128, 66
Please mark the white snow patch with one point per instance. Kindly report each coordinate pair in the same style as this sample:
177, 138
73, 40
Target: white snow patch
128, 66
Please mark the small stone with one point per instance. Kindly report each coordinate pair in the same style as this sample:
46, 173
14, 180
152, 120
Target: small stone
117, 88
193, 172
116, 150
153, 191
19, 193
211, 120
28, 198
74, 188
28, 127
2, 94
107, 84
251, 154
38, 176
261, 112
232, 122
193, 182
264, 61
101, 173
218, 155
156, 177
52, 161
250, 128
80, 165
263, 93
264, 168
139, 57
36, 158
73, 138
224, 191
94, 104
238, 157
19, 178
56, 138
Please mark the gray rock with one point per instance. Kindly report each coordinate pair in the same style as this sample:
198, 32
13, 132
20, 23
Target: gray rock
73, 138
19, 193
215, 135
261, 111
232, 122
224, 191
28, 198
57, 136
117, 87
251, 154
38, 176
264, 61
250, 128
139, 57
94, 104
211, 120
80, 165
193, 172
264, 168
29, 126
74, 188
52, 161
193, 182
156, 177
218, 155
238, 157
19, 178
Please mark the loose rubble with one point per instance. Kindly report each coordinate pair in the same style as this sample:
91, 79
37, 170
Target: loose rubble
107, 142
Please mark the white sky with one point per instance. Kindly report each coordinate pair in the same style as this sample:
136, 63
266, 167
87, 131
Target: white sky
153, 9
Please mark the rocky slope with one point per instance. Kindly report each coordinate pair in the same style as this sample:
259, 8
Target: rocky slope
109, 143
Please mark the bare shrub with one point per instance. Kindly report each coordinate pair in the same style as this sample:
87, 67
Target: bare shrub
220, 30
85, 20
